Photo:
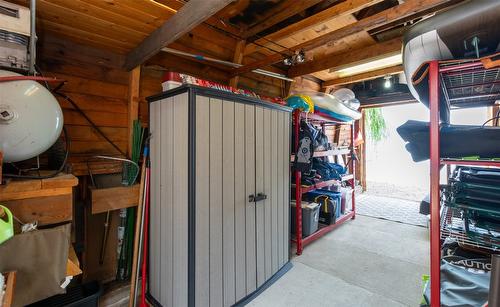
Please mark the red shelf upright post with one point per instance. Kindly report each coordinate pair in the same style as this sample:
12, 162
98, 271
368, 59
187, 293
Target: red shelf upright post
434, 184
298, 185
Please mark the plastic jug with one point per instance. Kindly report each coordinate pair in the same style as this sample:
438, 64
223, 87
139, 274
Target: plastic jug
6, 224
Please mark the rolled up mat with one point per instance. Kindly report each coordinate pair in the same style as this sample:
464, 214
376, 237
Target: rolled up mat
479, 175
456, 141
494, 296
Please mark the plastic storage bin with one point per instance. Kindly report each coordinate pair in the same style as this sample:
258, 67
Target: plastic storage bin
328, 210
310, 217
336, 196
346, 199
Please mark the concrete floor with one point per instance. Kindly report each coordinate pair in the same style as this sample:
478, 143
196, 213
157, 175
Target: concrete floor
365, 262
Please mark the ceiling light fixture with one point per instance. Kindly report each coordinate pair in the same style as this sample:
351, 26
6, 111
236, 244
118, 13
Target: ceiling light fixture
388, 61
387, 82
297, 58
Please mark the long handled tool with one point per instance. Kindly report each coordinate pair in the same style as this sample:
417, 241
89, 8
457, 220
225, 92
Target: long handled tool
145, 238
139, 226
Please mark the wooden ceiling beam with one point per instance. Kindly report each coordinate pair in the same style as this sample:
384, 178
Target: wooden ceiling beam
277, 14
189, 16
351, 57
340, 10
364, 76
217, 20
233, 9
399, 12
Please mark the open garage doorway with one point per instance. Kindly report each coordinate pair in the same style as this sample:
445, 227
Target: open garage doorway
395, 184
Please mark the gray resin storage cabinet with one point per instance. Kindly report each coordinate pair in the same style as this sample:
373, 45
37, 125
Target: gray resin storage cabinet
220, 188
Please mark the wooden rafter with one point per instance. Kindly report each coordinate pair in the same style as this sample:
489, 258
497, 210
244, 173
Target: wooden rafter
364, 76
340, 10
279, 13
399, 12
189, 16
350, 57
233, 9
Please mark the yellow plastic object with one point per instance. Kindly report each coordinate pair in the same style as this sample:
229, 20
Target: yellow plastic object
301, 102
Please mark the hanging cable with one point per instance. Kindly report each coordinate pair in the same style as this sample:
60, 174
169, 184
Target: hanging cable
491, 119
80, 111
241, 38
270, 41
117, 159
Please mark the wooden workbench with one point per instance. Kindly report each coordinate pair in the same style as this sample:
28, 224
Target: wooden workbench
47, 201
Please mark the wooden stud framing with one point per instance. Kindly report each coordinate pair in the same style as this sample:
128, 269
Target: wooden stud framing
133, 102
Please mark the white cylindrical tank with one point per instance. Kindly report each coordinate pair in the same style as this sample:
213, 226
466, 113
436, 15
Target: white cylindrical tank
31, 119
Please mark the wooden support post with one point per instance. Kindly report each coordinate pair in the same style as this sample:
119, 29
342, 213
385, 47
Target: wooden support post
287, 88
362, 152
336, 135
133, 102
238, 59
133, 113
492, 112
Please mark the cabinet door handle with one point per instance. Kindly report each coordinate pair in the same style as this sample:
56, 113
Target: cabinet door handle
260, 196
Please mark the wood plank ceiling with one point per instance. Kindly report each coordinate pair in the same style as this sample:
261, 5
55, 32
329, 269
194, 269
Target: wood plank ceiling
272, 29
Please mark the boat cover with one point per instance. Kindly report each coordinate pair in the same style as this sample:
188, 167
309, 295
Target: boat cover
456, 141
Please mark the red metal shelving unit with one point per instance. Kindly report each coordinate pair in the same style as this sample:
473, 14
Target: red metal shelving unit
323, 120
462, 84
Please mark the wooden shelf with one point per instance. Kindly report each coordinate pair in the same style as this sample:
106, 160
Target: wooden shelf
114, 198
48, 201
328, 153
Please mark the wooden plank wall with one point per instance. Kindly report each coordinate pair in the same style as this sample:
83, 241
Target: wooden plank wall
98, 88
304, 84
251, 81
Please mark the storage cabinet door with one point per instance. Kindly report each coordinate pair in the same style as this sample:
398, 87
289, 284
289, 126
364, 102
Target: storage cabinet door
225, 269
272, 129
